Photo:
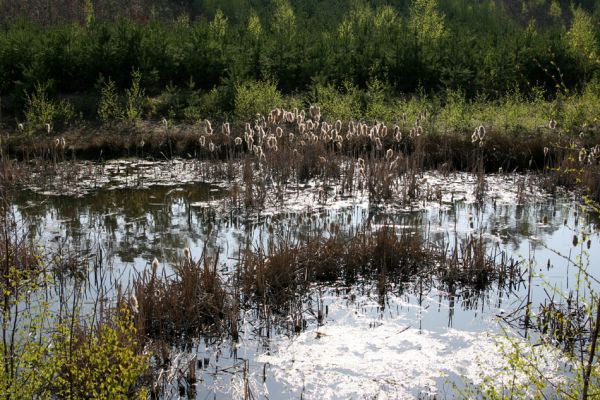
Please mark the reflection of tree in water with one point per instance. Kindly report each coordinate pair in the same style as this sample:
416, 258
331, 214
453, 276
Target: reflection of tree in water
128, 223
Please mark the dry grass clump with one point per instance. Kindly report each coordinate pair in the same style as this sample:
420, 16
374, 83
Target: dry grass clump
285, 272
471, 264
192, 301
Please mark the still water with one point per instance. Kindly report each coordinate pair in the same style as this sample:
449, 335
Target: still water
417, 341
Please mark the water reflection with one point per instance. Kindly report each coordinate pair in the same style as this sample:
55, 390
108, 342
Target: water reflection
129, 227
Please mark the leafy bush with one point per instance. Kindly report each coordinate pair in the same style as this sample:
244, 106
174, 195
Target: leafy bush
42, 113
109, 108
253, 97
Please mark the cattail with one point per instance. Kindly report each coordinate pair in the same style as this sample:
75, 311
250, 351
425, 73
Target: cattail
582, 155
237, 141
63, 143
474, 137
154, 266
226, 130
481, 132
186, 254
419, 130
202, 140
552, 124
290, 117
279, 132
165, 122
209, 130
398, 136
545, 151
338, 145
338, 125
211, 146
378, 144
142, 143
20, 127
388, 154
291, 136
301, 128
361, 163
134, 304
322, 160
56, 142
351, 127
48, 128
383, 131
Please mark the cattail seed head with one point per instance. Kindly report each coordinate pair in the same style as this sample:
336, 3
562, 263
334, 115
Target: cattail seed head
154, 266
474, 137
338, 125
135, 307
481, 132
388, 154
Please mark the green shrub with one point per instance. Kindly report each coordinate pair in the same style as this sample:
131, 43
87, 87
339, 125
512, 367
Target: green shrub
343, 105
134, 99
253, 97
109, 109
42, 112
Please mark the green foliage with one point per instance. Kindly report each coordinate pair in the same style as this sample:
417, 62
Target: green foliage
256, 97
376, 107
582, 40
344, 105
109, 108
479, 49
426, 22
41, 113
103, 363
134, 99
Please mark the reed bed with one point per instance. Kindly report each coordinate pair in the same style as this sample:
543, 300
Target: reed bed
191, 302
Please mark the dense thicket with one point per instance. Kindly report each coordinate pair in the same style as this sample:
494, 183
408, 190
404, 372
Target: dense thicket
185, 49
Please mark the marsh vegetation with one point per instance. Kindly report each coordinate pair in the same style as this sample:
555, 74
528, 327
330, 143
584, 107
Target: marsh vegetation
275, 201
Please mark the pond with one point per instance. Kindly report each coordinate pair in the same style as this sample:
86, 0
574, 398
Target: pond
419, 338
